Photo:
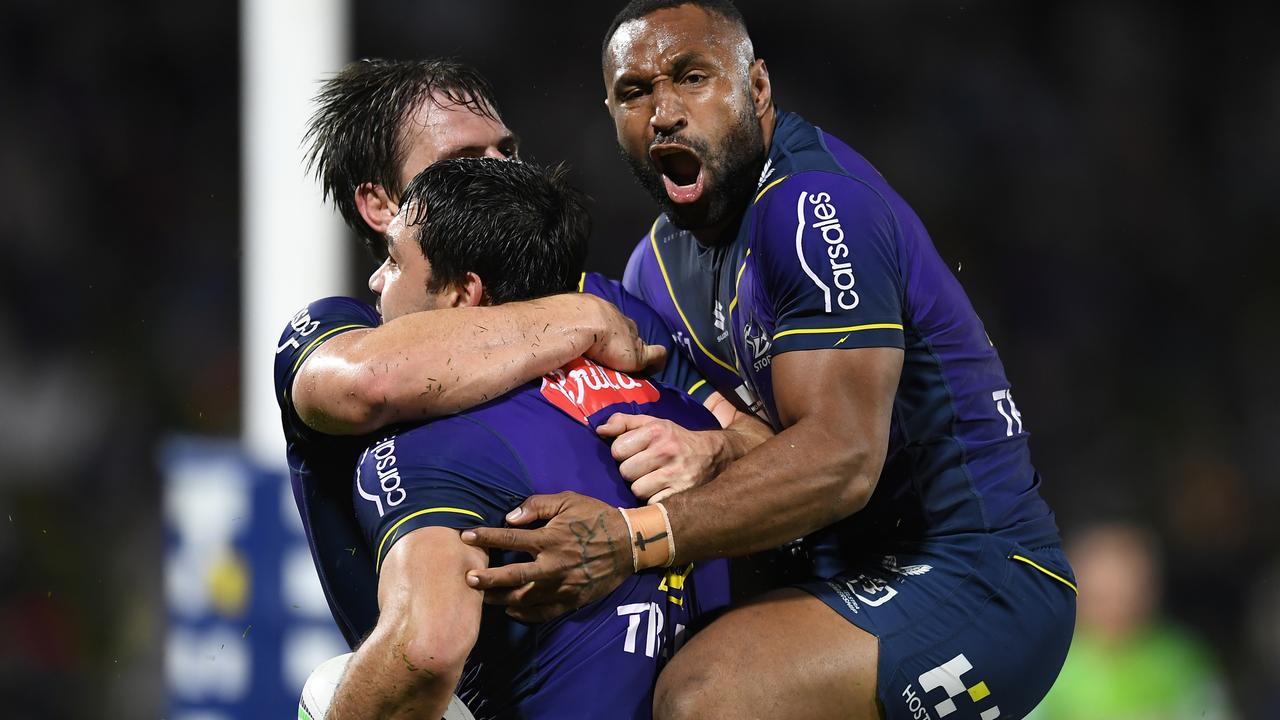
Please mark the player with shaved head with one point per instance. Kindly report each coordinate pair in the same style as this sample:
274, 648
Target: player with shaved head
934, 585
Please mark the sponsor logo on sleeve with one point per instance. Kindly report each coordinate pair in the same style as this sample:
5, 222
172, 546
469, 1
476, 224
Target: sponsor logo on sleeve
383, 468
817, 214
582, 388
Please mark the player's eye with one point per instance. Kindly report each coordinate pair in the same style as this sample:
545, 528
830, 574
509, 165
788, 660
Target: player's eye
694, 78
632, 93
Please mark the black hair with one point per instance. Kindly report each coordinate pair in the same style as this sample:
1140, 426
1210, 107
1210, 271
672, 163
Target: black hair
355, 136
520, 227
637, 9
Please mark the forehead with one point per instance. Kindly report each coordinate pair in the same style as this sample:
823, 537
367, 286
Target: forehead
647, 43
439, 125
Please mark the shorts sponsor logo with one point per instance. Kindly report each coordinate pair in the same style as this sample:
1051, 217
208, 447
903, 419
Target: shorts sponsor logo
582, 387
826, 224
387, 474
849, 600
947, 678
876, 590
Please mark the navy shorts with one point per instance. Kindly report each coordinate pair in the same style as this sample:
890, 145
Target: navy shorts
971, 627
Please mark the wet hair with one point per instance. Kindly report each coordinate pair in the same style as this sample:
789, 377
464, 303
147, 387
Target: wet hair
520, 227
356, 134
637, 9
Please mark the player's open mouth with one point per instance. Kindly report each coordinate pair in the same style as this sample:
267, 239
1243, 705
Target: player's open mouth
681, 170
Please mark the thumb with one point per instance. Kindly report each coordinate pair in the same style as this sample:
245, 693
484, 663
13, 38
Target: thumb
653, 358
535, 508
620, 423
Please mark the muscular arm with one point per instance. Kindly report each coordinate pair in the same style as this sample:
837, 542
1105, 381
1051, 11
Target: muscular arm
430, 619
434, 363
835, 406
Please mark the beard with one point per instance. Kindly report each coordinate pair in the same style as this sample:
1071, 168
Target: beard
731, 171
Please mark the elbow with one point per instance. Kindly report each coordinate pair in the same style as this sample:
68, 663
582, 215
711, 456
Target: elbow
354, 407
855, 480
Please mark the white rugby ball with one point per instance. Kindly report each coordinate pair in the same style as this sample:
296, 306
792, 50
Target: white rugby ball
317, 694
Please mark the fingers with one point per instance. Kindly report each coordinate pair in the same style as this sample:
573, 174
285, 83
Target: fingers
652, 484
639, 466
634, 441
619, 423
661, 495
502, 539
506, 576
537, 507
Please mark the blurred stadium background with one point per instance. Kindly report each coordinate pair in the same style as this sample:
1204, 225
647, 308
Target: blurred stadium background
1103, 176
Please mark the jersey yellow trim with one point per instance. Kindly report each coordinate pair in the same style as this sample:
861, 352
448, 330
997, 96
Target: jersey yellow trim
766, 188
850, 329
695, 386
582, 281
653, 240
1051, 574
308, 348
737, 280
377, 564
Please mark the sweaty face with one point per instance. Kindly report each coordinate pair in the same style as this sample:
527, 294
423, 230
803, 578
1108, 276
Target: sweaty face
440, 129
679, 91
400, 282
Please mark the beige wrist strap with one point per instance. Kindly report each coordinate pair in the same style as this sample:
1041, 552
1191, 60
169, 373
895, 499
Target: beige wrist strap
651, 542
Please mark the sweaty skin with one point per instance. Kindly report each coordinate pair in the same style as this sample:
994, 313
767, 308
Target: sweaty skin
667, 82
363, 380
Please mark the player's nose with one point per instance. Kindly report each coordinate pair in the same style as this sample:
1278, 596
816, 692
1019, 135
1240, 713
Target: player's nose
668, 110
375, 279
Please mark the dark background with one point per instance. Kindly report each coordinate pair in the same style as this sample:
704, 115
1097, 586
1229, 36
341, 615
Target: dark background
1102, 176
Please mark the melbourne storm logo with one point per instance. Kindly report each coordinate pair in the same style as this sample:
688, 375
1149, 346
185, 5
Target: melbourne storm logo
759, 344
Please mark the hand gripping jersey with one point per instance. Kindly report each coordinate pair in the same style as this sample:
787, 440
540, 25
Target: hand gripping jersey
320, 466
470, 469
829, 256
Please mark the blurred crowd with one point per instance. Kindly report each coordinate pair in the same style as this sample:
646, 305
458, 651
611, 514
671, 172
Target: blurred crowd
1102, 176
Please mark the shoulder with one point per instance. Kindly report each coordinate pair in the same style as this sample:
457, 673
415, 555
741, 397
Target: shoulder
461, 445
311, 326
642, 256
828, 205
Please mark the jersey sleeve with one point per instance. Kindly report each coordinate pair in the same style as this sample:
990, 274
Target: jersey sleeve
455, 473
309, 328
827, 249
680, 372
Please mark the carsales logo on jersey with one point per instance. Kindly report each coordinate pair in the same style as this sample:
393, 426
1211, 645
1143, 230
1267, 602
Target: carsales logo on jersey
384, 467
581, 388
827, 224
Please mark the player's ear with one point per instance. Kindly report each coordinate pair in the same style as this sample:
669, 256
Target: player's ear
761, 90
469, 292
375, 206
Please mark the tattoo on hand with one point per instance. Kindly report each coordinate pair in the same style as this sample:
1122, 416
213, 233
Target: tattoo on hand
585, 534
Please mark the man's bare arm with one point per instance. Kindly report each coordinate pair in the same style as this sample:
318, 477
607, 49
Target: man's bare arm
434, 363
429, 622
835, 406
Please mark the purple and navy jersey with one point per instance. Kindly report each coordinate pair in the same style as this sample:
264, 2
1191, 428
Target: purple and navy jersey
320, 468
470, 469
320, 465
829, 256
